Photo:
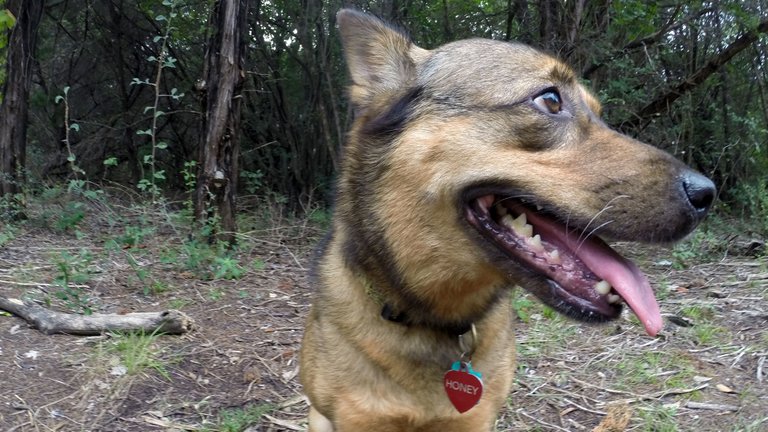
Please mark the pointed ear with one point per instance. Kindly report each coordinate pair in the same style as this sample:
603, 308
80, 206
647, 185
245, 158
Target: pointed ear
381, 59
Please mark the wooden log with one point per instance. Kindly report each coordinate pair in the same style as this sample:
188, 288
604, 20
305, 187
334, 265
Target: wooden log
50, 322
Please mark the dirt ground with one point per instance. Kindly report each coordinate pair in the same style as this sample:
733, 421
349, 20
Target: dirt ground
238, 369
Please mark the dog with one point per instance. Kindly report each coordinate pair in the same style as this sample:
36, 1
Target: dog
469, 169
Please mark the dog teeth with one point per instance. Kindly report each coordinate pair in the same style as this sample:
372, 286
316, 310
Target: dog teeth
554, 257
613, 298
521, 227
525, 231
508, 221
603, 287
535, 243
518, 225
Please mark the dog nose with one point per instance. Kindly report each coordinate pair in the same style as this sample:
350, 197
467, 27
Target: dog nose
700, 192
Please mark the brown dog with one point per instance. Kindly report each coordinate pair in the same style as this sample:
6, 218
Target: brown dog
469, 169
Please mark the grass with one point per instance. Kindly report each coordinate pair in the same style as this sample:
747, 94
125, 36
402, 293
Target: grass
138, 352
563, 365
239, 419
657, 418
704, 330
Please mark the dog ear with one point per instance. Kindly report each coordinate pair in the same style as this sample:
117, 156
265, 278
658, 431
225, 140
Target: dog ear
380, 58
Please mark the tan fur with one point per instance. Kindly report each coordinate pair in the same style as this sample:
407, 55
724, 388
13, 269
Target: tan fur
398, 219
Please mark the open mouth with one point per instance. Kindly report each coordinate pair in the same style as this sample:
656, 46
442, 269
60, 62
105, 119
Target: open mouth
581, 276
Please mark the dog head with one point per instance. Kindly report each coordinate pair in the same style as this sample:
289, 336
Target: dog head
483, 163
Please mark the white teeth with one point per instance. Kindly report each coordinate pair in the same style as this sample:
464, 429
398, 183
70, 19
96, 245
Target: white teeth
554, 257
525, 231
521, 220
535, 243
508, 221
518, 225
613, 298
521, 227
603, 287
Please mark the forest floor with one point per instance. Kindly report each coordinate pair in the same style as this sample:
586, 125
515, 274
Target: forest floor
237, 370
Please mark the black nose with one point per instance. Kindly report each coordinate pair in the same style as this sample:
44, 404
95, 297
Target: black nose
700, 192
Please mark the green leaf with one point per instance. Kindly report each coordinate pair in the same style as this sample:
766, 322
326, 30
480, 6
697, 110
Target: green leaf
59, 99
7, 19
152, 59
144, 132
75, 127
162, 145
147, 108
110, 161
71, 158
66, 90
160, 18
160, 175
157, 39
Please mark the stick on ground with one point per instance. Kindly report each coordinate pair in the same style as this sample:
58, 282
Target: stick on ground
49, 322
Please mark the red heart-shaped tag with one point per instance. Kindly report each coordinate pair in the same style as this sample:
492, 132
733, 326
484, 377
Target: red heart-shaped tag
464, 389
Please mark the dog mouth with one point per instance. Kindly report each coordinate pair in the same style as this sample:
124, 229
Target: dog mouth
577, 274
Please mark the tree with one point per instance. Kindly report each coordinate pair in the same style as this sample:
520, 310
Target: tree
224, 75
13, 110
663, 101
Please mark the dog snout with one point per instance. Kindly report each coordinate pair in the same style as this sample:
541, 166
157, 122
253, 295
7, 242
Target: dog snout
700, 192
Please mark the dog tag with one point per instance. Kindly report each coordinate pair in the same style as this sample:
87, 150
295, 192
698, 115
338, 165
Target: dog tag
463, 385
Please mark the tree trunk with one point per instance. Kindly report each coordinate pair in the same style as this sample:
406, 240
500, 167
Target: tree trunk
218, 162
13, 110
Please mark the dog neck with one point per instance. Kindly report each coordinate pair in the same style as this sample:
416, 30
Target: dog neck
390, 313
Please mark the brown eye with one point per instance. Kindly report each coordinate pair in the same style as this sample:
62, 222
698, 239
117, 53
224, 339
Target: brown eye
549, 101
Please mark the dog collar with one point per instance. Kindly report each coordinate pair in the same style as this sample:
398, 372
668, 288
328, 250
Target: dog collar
389, 313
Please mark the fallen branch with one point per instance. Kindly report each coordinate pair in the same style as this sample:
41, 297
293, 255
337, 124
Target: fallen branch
642, 397
710, 406
49, 322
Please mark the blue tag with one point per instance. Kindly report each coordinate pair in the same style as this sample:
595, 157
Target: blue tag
466, 367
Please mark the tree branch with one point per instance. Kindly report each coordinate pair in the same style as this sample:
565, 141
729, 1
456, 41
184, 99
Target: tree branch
49, 322
663, 102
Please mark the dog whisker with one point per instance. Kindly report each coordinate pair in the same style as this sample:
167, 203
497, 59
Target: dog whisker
605, 208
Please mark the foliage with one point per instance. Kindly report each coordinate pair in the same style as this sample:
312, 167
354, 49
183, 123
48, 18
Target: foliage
754, 204
163, 61
658, 419
210, 261
138, 352
239, 419
7, 21
110, 100
73, 272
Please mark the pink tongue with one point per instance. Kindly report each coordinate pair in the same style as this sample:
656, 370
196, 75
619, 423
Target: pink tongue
606, 263
626, 279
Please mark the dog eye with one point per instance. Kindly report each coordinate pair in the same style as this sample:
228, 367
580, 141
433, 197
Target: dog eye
549, 101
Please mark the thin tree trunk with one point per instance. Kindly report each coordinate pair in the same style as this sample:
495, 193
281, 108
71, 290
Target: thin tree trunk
13, 110
225, 72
